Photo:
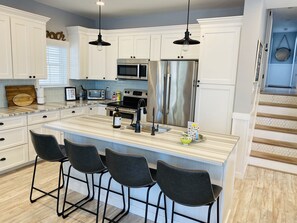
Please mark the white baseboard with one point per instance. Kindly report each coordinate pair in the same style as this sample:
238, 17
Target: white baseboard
273, 165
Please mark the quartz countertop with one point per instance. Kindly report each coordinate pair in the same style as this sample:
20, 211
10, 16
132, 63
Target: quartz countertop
215, 149
50, 106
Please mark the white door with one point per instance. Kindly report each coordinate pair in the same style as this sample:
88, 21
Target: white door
111, 58
214, 106
126, 47
5, 46
20, 48
96, 61
142, 45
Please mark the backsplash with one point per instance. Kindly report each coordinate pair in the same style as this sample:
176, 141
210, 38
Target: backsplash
57, 93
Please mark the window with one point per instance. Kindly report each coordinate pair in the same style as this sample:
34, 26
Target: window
57, 63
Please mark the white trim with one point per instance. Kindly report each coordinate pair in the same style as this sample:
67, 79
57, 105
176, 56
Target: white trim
241, 116
221, 21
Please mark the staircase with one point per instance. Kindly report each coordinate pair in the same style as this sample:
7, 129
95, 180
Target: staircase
274, 143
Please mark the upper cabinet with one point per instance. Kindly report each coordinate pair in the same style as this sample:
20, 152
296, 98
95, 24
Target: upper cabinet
136, 46
169, 50
23, 44
155, 52
219, 50
5, 46
111, 57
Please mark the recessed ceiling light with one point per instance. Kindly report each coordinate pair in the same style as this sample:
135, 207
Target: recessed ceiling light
99, 3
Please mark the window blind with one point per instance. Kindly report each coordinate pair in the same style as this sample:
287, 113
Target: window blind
57, 63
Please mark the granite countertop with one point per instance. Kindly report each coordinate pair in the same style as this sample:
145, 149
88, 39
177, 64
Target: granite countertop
50, 106
215, 149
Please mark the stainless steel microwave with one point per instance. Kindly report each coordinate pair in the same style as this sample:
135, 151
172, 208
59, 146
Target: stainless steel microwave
133, 69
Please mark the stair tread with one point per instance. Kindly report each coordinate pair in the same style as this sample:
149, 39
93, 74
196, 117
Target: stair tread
274, 157
276, 116
271, 142
279, 93
277, 104
276, 129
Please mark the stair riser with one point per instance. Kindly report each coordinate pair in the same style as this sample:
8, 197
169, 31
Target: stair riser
275, 135
278, 99
277, 110
277, 150
282, 123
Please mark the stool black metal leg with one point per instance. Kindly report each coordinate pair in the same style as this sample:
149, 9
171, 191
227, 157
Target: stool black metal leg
33, 180
157, 209
106, 199
172, 214
122, 213
147, 203
209, 213
98, 201
165, 207
59, 182
218, 210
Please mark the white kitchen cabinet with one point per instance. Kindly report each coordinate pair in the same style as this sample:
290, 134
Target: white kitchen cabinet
111, 57
71, 112
155, 51
219, 50
28, 49
169, 50
98, 109
97, 61
13, 142
137, 46
5, 46
214, 107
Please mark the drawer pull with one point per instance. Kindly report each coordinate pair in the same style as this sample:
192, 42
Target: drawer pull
3, 159
44, 116
1, 123
2, 139
73, 112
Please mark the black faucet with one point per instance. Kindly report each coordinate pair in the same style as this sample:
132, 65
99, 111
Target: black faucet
138, 114
153, 127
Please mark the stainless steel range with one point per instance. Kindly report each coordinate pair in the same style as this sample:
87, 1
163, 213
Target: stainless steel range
128, 106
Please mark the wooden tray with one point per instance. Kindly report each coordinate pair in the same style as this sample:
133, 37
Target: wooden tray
20, 95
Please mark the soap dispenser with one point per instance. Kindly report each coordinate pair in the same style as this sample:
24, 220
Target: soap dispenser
117, 118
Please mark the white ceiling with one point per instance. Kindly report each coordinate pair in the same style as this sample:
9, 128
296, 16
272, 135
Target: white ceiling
88, 8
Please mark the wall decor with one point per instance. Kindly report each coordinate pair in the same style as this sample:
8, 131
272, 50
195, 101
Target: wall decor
283, 52
258, 60
70, 93
57, 35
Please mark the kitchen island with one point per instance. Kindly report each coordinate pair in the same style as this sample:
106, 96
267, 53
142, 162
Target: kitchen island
216, 155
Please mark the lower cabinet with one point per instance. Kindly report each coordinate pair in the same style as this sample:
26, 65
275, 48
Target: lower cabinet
14, 156
96, 110
214, 106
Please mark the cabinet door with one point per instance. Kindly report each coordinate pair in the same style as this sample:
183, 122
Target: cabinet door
96, 61
155, 52
20, 48
168, 49
219, 55
142, 47
111, 58
214, 106
83, 56
39, 129
5, 46
126, 47
38, 50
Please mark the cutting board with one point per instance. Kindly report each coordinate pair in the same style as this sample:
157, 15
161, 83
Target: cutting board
20, 95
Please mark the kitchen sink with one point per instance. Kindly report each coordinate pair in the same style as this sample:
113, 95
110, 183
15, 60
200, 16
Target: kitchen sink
148, 128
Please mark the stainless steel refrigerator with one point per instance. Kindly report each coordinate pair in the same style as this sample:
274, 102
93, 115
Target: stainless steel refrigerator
172, 91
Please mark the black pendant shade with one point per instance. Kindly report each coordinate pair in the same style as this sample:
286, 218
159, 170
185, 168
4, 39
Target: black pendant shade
187, 40
99, 41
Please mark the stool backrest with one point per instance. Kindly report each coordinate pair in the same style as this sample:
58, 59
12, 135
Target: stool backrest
128, 170
46, 147
187, 187
84, 158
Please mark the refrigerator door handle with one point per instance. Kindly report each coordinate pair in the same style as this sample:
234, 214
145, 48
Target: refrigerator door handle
168, 93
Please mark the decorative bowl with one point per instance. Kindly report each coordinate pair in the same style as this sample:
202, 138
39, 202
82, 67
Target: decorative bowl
185, 140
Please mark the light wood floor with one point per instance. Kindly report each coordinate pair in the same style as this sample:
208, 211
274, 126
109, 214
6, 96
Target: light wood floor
263, 196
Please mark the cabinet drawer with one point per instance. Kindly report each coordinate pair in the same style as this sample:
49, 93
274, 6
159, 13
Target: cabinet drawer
71, 112
13, 122
43, 117
13, 137
13, 157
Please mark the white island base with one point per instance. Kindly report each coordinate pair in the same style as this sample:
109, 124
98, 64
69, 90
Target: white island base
216, 155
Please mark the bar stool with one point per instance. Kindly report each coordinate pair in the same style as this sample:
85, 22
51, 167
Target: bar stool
48, 149
85, 159
186, 187
131, 171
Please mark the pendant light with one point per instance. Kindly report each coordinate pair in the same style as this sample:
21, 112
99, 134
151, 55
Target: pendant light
186, 41
99, 42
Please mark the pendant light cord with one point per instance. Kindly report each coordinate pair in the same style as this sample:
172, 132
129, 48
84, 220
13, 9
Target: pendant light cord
188, 14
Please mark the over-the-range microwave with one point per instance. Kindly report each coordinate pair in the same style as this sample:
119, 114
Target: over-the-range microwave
133, 69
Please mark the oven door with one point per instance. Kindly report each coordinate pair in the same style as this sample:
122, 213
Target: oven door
125, 113
128, 71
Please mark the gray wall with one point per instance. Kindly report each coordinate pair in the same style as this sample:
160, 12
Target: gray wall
164, 19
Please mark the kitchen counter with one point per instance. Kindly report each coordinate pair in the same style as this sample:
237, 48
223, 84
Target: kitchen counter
51, 106
216, 155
